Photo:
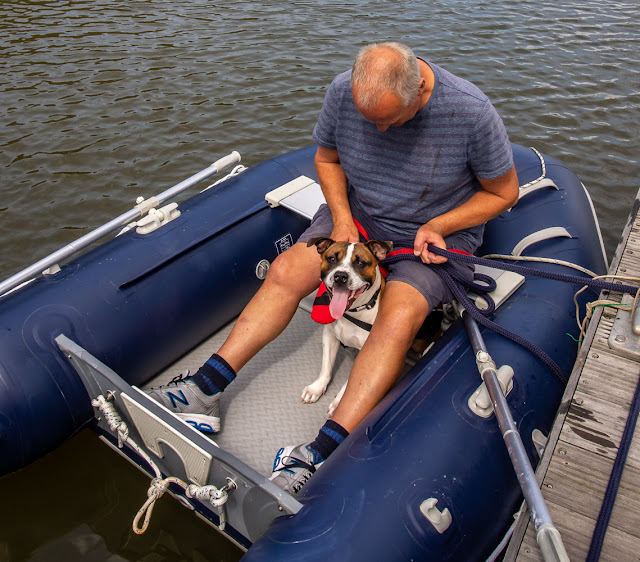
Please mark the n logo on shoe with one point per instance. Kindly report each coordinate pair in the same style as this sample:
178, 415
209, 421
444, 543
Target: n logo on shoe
182, 399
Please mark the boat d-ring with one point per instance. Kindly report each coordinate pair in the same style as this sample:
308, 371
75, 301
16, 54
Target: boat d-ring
441, 520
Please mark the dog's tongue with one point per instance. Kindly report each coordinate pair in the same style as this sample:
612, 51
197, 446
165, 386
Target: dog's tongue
339, 302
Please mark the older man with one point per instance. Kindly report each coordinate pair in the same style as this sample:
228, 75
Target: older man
418, 156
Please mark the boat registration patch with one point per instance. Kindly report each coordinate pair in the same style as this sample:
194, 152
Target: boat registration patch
284, 243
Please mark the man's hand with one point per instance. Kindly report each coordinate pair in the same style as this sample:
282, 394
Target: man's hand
429, 233
345, 232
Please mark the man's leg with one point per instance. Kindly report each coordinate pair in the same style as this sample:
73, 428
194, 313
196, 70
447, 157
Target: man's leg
292, 276
196, 399
379, 363
375, 371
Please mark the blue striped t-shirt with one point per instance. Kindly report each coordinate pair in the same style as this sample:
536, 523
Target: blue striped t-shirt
405, 176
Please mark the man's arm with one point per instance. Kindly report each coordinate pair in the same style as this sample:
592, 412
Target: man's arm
497, 195
333, 182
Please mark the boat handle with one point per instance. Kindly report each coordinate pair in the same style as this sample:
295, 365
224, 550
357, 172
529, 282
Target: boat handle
539, 236
540, 184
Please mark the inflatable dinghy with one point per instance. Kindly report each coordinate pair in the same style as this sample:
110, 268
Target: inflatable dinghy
425, 476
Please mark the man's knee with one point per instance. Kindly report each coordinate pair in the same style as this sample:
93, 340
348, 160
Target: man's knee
403, 309
298, 269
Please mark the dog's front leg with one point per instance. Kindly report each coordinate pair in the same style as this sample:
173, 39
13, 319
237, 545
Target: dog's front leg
316, 389
334, 403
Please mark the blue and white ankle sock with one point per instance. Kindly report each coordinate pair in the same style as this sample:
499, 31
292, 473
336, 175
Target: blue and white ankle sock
214, 376
329, 437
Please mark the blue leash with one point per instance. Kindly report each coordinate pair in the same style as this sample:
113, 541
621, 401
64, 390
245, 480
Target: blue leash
523, 270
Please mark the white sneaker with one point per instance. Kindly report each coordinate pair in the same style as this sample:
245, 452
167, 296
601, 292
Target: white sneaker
292, 467
184, 398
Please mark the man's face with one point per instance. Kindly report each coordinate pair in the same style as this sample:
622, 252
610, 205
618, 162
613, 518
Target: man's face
389, 112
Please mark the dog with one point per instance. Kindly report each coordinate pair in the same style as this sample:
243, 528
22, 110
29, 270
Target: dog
355, 284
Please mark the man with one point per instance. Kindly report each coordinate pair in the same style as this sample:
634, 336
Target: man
418, 156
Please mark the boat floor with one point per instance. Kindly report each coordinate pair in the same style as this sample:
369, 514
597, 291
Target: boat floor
262, 409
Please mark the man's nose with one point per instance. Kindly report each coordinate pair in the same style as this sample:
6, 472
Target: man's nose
382, 128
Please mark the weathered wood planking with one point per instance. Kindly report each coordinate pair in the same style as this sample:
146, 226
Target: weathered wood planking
585, 438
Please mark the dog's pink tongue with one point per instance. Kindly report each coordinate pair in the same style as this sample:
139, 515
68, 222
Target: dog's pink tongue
339, 302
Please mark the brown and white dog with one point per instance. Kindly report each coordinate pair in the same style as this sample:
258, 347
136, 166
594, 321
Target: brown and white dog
353, 280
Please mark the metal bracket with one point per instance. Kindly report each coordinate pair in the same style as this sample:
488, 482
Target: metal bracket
624, 337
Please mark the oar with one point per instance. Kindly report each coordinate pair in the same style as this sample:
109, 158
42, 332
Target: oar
120, 221
548, 537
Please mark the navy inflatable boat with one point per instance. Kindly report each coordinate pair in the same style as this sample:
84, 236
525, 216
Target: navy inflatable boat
425, 476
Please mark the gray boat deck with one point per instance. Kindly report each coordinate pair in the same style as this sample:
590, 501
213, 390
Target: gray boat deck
584, 441
262, 410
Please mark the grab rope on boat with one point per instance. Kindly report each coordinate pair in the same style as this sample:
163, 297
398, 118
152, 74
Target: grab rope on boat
217, 497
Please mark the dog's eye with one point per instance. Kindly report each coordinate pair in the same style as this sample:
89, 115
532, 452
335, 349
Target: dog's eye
361, 263
331, 259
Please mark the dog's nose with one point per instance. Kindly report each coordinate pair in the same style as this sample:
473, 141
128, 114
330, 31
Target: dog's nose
340, 278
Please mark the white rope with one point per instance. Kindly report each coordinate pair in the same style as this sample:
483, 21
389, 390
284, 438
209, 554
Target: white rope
543, 260
236, 171
544, 170
216, 496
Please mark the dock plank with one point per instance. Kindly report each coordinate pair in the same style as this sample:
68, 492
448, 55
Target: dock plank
576, 536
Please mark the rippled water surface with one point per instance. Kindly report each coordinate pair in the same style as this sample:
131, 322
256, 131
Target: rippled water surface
101, 102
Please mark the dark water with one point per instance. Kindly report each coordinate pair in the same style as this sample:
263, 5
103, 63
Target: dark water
101, 102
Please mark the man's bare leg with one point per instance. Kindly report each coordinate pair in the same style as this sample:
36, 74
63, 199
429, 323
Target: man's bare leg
380, 361
292, 276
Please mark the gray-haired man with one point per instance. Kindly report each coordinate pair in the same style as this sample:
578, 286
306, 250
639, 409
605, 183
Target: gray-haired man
416, 155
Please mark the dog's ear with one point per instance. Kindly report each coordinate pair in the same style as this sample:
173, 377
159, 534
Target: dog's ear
321, 243
379, 249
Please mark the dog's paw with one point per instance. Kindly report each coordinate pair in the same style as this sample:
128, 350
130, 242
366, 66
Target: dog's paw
312, 393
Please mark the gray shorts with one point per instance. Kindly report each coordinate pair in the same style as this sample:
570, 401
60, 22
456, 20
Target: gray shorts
420, 276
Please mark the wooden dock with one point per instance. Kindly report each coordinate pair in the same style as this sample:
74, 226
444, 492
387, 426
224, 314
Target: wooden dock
577, 462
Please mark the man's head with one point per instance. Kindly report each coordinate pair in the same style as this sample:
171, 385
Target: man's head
387, 85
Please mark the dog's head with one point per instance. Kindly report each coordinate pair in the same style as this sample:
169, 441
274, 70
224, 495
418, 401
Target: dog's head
348, 269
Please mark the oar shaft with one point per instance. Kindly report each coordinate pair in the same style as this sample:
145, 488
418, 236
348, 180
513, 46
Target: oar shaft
547, 535
114, 224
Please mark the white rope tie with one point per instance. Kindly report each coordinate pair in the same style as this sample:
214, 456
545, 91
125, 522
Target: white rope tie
544, 170
217, 497
236, 171
542, 260
112, 418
